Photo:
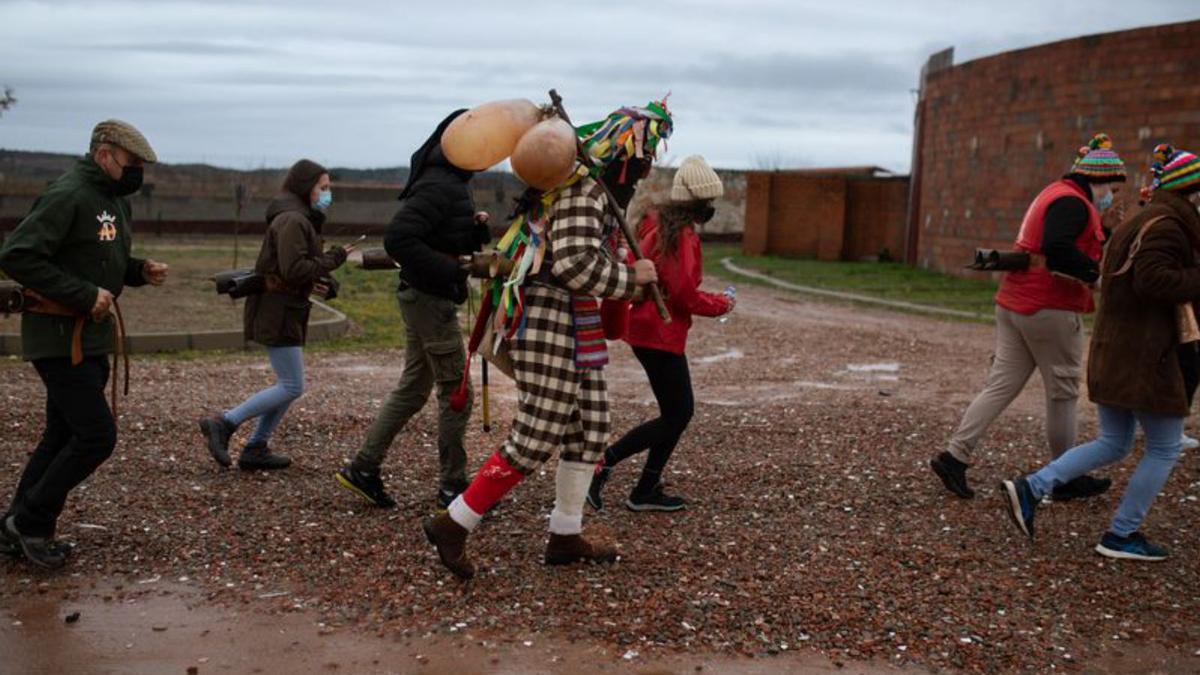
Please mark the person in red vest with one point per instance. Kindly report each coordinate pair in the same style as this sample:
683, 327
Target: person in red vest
1038, 316
669, 238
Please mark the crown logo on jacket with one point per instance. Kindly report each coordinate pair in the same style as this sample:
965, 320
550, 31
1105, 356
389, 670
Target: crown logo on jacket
108, 226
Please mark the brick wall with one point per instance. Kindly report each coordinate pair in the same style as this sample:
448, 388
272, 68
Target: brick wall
824, 215
994, 131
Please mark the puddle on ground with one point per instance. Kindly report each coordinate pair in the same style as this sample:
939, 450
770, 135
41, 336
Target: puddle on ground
727, 355
170, 629
884, 371
883, 367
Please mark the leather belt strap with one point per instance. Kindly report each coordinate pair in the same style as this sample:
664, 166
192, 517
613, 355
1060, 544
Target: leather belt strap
39, 304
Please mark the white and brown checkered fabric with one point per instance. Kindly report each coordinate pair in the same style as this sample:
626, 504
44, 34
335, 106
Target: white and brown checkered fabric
560, 405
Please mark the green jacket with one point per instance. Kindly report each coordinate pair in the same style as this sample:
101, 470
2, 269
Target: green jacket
75, 239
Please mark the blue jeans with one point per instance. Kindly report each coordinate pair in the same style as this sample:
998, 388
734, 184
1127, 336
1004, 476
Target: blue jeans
1117, 426
271, 403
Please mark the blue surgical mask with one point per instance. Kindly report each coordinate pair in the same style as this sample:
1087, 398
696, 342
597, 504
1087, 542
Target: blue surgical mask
1104, 202
324, 200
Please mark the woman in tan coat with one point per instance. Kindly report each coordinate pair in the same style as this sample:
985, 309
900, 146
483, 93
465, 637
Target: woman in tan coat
1134, 373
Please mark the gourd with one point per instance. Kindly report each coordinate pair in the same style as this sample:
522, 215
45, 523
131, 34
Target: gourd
486, 134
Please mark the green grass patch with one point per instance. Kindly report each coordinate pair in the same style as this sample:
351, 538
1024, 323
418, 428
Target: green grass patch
886, 281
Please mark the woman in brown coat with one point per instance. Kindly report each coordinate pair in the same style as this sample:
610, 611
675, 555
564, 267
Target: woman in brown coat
293, 264
1134, 373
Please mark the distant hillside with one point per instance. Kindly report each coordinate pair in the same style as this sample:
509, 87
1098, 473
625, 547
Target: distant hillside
20, 166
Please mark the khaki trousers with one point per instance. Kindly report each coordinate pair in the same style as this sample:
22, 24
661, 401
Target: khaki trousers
1051, 341
434, 355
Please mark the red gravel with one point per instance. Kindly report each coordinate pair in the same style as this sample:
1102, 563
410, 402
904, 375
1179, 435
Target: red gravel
815, 522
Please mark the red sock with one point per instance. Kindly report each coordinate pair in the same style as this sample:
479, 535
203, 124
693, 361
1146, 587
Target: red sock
495, 478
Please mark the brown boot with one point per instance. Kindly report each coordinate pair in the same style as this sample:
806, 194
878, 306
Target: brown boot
564, 549
450, 539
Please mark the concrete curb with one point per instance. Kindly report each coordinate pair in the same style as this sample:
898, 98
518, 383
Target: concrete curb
728, 264
208, 340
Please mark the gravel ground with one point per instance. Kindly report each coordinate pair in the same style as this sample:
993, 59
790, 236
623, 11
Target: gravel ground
815, 523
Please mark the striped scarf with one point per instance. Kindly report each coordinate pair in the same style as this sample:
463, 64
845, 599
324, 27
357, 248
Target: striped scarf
591, 350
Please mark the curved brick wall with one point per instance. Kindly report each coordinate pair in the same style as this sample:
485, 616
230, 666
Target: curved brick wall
992, 132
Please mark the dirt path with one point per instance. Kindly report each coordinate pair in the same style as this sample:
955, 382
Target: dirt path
815, 528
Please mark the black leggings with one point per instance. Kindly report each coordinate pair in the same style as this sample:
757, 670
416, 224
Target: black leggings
672, 385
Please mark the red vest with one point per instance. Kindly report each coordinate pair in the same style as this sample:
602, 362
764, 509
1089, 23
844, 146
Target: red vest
1028, 291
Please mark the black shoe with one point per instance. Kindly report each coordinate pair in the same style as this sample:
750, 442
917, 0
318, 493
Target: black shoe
953, 474
1019, 504
9, 545
258, 457
655, 501
594, 497
41, 551
445, 495
1081, 488
365, 484
217, 432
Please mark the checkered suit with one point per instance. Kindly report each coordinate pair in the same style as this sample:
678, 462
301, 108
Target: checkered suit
560, 405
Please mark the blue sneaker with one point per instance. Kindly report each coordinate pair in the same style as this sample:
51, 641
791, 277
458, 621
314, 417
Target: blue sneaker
1133, 547
1019, 503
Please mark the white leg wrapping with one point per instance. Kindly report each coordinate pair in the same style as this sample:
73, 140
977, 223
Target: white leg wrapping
571, 483
463, 515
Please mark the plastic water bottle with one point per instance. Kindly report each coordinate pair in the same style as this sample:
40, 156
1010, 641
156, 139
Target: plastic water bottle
731, 293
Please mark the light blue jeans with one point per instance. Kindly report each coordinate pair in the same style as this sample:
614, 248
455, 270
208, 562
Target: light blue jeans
270, 404
1117, 426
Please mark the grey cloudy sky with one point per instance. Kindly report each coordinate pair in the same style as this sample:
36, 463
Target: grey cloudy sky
361, 83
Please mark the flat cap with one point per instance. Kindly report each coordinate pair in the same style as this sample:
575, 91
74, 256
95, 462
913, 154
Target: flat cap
125, 135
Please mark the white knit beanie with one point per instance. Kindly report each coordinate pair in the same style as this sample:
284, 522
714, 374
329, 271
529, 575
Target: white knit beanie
694, 180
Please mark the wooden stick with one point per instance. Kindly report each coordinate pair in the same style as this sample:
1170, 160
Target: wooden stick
614, 208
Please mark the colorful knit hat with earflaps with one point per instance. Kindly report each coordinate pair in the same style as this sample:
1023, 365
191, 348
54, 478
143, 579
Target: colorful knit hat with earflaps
627, 133
1174, 170
1098, 162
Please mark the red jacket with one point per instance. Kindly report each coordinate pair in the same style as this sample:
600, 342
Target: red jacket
1035, 289
679, 276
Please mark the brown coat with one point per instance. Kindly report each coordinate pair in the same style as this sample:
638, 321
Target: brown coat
1133, 362
292, 261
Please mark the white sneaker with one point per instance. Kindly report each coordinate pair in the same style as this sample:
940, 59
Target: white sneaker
1189, 443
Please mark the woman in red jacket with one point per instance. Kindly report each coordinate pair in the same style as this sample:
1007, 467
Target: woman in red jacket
668, 237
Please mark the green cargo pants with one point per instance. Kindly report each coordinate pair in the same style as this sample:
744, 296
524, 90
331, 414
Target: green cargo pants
434, 354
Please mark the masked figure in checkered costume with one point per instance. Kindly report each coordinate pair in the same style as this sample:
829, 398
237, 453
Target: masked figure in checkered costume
567, 239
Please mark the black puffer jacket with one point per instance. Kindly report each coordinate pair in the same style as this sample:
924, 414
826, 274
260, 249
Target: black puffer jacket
435, 223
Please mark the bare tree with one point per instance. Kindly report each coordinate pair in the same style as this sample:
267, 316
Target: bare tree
7, 100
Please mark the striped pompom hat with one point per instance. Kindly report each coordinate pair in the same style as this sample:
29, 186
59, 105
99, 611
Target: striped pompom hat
1098, 162
1174, 170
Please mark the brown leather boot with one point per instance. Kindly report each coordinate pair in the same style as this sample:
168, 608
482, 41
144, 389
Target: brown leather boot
564, 549
450, 539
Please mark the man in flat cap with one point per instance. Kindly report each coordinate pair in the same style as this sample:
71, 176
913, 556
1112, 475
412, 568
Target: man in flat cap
72, 255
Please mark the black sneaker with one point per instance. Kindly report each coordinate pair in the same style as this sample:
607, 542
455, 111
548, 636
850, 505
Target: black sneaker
1081, 488
953, 474
365, 484
1019, 504
594, 497
11, 546
258, 457
41, 551
1133, 547
217, 432
655, 501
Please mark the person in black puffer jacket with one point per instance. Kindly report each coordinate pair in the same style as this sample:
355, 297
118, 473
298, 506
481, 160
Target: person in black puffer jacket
436, 223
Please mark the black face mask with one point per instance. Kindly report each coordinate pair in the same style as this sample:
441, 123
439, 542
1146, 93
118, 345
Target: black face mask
129, 182
706, 214
633, 171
